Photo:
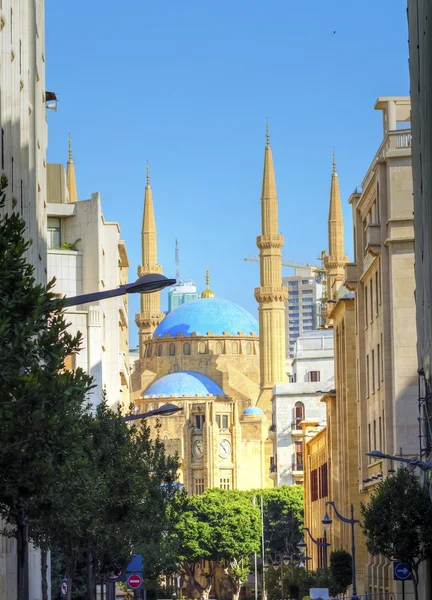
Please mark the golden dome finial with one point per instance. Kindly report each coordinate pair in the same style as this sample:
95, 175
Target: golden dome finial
207, 293
267, 134
70, 148
147, 174
334, 160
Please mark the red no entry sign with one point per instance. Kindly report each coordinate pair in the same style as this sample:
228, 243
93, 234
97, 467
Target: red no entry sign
134, 581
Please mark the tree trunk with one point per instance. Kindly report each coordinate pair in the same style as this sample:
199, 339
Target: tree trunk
70, 571
206, 591
236, 592
44, 571
22, 557
90, 578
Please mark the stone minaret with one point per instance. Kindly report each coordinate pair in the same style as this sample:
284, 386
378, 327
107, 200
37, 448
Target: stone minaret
150, 316
271, 295
70, 175
336, 260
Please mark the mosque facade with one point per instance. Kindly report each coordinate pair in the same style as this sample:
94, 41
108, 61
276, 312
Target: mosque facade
211, 358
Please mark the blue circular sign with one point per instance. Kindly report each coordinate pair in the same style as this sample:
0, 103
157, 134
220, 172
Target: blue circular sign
402, 572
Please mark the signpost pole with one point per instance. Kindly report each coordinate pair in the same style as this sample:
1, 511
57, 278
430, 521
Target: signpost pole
403, 589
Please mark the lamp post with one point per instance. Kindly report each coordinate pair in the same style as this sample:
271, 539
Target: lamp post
302, 546
327, 521
146, 284
163, 411
414, 461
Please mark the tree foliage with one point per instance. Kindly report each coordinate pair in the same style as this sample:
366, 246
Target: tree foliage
341, 570
40, 402
397, 522
221, 528
283, 517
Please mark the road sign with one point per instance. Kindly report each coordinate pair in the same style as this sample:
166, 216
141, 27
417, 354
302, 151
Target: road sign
402, 572
64, 588
136, 564
118, 576
134, 581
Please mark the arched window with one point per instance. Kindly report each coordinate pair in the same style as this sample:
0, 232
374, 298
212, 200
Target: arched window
298, 414
234, 348
160, 350
186, 348
218, 348
249, 348
149, 351
149, 408
172, 350
202, 348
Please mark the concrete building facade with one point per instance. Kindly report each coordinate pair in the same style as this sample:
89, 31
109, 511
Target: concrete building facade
303, 306
86, 254
300, 401
23, 143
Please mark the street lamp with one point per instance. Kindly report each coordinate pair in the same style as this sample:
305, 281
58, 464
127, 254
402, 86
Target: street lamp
351, 521
146, 284
414, 461
163, 411
324, 544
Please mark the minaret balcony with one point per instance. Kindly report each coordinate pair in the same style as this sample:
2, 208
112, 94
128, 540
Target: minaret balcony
270, 240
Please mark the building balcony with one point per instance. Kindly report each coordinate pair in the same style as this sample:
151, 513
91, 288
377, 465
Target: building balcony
351, 277
296, 432
272, 432
297, 468
373, 238
273, 472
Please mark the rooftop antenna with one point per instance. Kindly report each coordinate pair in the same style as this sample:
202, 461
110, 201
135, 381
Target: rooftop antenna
177, 262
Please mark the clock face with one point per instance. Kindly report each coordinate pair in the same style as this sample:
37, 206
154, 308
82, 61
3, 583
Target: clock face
198, 449
224, 448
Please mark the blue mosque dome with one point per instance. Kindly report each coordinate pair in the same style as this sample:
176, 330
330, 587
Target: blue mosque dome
208, 315
184, 383
253, 410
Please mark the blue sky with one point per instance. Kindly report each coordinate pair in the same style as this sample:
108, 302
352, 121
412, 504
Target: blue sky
188, 86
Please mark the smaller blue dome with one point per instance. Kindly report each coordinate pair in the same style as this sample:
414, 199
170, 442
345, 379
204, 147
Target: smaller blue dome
184, 383
253, 410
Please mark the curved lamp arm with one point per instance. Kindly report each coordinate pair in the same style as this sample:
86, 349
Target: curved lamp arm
341, 517
316, 542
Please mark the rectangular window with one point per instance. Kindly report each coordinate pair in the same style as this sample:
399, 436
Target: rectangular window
371, 301
54, 232
299, 456
222, 421
314, 485
378, 367
292, 283
373, 371
369, 442
374, 436
199, 421
307, 281
293, 293
224, 483
382, 359
366, 305
199, 485
314, 376
324, 481
380, 434
383, 434
367, 377
376, 293
292, 300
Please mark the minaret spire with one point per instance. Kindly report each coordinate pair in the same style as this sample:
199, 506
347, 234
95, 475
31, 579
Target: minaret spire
150, 316
336, 260
271, 295
70, 174
207, 293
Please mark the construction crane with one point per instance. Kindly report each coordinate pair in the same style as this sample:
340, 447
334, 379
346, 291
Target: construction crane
293, 264
177, 262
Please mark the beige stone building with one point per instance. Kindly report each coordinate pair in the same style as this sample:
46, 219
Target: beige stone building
382, 278
210, 357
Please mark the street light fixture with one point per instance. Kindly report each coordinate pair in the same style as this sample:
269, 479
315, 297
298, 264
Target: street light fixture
351, 521
286, 559
302, 546
163, 411
146, 284
324, 544
414, 461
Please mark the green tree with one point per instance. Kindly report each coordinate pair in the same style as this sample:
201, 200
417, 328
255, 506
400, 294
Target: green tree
341, 570
397, 522
283, 517
221, 528
40, 402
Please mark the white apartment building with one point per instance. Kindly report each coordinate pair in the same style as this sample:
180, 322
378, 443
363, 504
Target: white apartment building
303, 306
300, 401
23, 142
86, 254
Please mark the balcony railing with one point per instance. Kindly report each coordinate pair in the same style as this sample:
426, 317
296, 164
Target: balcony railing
273, 468
297, 466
